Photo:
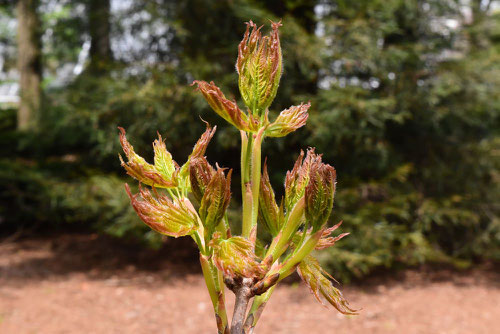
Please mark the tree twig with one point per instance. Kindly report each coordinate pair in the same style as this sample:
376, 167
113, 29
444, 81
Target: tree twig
243, 293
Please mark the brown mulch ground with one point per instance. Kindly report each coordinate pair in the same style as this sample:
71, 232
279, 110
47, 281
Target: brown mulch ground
91, 284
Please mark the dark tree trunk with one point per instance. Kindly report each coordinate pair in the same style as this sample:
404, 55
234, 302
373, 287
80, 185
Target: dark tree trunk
99, 29
29, 64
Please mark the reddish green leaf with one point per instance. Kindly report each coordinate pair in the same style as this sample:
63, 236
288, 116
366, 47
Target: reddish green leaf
270, 214
235, 257
288, 121
173, 218
319, 194
225, 108
215, 200
200, 175
317, 279
161, 175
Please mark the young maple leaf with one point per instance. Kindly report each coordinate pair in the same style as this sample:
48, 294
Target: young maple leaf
175, 218
235, 257
318, 281
165, 173
289, 120
225, 108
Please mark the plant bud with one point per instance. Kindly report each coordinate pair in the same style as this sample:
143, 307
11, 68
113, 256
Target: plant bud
259, 66
319, 194
270, 214
297, 179
288, 121
215, 200
266, 283
200, 174
235, 257
173, 218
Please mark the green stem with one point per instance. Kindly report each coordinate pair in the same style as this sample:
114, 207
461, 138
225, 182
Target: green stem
256, 175
251, 166
197, 239
247, 210
244, 144
213, 280
304, 233
286, 270
299, 254
246, 149
280, 243
170, 193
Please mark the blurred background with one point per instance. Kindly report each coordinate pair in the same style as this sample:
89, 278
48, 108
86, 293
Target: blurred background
405, 101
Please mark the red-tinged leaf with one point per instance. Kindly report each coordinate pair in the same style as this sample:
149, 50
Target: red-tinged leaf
235, 257
173, 218
225, 108
198, 152
163, 159
201, 145
326, 240
320, 285
161, 175
289, 120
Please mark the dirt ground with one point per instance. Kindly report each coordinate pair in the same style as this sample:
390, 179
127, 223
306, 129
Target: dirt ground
91, 284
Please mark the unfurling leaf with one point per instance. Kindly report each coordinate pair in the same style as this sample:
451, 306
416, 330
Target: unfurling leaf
235, 257
162, 174
317, 279
173, 218
201, 144
165, 173
288, 121
163, 159
200, 174
297, 179
215, 200
270, 214
259, 66
319, 194
198, 151
225, 108
326, 240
